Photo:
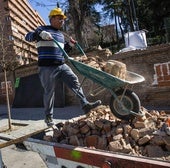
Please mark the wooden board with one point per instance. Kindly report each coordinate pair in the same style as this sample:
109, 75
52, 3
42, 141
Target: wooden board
21, 134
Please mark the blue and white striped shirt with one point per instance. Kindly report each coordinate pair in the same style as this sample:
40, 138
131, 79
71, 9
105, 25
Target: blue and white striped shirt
48, 52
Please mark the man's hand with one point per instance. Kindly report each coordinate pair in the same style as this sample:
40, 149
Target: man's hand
45, 35
72, 42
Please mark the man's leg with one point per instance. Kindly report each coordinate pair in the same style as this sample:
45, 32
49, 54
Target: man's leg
71, 80
48, 83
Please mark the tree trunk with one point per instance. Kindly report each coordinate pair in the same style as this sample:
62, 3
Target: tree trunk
78, 20
130, 14
7, 100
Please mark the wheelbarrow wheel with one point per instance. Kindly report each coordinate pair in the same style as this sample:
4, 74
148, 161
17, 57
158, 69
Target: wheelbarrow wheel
130, 102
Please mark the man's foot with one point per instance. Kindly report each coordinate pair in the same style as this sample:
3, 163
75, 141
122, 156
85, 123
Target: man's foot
86, 108
49, 120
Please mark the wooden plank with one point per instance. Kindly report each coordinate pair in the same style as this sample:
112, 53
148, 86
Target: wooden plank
16, 136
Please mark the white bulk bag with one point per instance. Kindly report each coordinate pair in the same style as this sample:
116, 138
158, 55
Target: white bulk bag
136, 39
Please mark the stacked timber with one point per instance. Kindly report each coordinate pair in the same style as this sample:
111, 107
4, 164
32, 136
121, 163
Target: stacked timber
148, 135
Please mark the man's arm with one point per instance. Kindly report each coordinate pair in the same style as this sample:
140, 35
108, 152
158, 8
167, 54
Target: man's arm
69, 44
37, 35
67, 47
34, 35
31, 36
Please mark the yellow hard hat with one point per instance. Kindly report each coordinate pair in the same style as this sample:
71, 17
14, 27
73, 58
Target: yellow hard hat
57, 11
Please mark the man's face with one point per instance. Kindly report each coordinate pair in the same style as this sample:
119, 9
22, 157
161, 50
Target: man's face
57, 21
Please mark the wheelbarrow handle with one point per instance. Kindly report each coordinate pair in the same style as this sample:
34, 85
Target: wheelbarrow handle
77, 45
80, 49
65, 54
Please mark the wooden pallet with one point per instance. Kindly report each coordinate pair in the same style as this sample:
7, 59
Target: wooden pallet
26, 130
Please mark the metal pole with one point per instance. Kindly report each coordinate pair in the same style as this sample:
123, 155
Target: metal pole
1, 163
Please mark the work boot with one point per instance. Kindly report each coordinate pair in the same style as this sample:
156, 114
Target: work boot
49, 120
89, 106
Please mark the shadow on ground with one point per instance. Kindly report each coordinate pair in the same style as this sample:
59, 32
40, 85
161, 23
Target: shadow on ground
38, 113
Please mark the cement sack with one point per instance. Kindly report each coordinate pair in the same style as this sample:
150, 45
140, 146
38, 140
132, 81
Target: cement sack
116, 68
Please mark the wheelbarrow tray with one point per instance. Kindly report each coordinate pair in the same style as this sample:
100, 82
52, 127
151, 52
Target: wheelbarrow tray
105, 79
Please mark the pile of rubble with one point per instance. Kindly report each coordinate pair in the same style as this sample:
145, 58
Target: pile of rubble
93, 61
148, 135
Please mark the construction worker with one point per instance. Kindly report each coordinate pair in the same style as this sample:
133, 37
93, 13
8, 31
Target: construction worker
52, 65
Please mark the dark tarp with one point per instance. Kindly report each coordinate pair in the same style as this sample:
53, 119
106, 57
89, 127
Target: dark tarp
29, 93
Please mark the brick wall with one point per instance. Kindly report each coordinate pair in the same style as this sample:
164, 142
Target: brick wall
162, 74
10, 85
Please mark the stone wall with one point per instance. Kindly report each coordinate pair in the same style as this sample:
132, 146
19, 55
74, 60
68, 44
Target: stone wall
154, 64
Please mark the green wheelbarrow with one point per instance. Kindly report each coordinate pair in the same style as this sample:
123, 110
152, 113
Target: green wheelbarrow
124, 103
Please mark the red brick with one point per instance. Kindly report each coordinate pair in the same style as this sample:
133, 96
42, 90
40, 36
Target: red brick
165, 69
92, 140
102, 143
107, 126
164, 83
74, 140
167, 78
98, 123
160, 78
158, 70
84, 129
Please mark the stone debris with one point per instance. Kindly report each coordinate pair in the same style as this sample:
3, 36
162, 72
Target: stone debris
100, 129
113, 67
116, 68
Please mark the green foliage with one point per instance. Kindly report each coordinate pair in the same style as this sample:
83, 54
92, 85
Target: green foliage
141, 14
151, 15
